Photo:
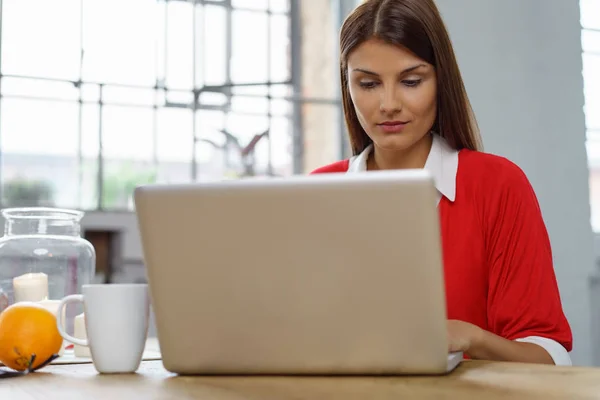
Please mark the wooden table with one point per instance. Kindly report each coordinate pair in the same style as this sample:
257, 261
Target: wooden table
472, 380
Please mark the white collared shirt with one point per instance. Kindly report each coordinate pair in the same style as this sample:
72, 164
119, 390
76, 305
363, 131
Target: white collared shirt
442, 164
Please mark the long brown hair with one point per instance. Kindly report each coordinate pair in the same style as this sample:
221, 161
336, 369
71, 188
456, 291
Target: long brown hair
417, 26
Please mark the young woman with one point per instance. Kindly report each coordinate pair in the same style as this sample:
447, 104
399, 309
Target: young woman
406, 107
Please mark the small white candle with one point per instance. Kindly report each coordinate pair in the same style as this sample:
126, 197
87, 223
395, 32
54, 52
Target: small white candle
31, 287
80, 333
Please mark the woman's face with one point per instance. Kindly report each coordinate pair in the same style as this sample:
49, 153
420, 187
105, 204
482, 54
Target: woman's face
394, 94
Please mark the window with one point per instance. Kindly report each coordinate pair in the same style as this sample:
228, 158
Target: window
99, 96
590, 21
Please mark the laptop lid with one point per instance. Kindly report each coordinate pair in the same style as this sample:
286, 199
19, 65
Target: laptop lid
333, 273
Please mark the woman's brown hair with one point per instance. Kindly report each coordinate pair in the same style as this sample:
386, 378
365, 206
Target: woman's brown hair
417, 26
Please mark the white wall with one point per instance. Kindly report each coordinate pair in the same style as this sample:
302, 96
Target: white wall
522, 65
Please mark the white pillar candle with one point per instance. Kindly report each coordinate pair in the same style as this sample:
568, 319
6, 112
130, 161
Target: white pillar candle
31, 287
52, 306
80, 333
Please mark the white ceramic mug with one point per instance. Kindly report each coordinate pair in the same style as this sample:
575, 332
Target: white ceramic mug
116, 322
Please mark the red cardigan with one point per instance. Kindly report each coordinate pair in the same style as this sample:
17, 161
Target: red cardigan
497, 258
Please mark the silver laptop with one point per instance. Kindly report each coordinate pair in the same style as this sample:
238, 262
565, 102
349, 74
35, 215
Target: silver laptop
323, 274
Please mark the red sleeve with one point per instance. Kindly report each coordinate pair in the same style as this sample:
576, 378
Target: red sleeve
523, 296
340, 166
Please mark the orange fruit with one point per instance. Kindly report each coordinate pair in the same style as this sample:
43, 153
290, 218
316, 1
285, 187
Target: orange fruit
27, 329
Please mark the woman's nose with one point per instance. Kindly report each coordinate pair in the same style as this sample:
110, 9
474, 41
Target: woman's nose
390, 102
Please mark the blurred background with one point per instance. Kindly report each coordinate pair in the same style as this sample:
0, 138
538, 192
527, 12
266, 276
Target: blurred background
99, 96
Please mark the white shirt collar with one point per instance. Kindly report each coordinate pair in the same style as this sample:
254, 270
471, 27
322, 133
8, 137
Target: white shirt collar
442, 164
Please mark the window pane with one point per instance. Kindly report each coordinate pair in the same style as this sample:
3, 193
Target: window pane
53, 131
127, 133
39, 88
218, 153
213, 99
259, 160
120, 180
41, 38
280, 5
210, 149
590, 19
160, 32
281, 146
88, 184
175, 137
27, 183
591, 64
593, 151
244, 128
255, 90
250, 59
174, 145
591, 41
211, 163
128, 154
592, 112
212, 48
590, 14
90, 92
281, 90
208, 125
251, 4
280, 45
250, 105
595, 198
125, 95
179, 99
180, 30
281, 108
277, 91
90, 123
120, 41
39, 155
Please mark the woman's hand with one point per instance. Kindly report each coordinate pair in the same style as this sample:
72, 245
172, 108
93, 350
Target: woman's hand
462, 335
480, 344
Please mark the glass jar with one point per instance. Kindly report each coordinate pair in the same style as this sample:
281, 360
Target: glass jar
43, 258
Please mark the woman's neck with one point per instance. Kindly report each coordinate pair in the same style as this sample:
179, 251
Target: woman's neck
412, 158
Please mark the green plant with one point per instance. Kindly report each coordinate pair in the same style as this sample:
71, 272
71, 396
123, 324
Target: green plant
22, 192
118, 187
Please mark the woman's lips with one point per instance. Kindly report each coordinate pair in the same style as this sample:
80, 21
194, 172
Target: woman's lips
392, 126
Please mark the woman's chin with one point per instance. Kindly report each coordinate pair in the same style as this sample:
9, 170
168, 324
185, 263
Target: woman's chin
396, 141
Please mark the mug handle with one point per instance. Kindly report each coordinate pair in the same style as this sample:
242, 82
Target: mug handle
59, 319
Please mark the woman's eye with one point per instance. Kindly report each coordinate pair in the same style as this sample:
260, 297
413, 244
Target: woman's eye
367, 84
412, 82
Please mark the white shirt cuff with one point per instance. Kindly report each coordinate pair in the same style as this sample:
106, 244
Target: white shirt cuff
558, 353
